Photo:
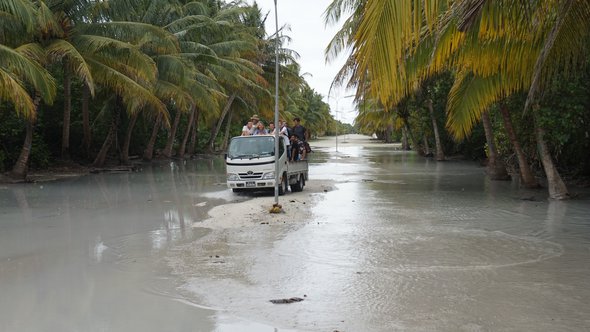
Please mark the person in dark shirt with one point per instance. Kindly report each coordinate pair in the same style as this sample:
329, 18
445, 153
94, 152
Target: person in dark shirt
298, 151
300, 131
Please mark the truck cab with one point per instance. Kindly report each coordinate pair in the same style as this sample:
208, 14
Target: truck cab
250, 165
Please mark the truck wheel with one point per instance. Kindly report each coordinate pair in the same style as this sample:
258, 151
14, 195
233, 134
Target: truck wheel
296, 187
284, 186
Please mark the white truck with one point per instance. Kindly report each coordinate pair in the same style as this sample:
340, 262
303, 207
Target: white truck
250, 165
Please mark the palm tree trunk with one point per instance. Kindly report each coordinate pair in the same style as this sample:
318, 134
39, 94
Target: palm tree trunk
193, 143
20, 168
217, 127
496, 168
415, 143
405, 143
191, 118
388, 133
557, 188
127, 143
440, 155
101, 157
19, 171
526, 174
65, 136
172, 135
227, 129
426, 147
86, 119
148, 153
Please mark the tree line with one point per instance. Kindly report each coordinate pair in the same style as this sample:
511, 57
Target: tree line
92, 81
507, 79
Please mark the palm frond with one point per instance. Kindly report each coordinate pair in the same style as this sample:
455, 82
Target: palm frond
12, 91
469, 98
17, 63
60, 48
23, 10
134, 95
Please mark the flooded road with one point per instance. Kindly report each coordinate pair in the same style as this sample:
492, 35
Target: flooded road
401, 243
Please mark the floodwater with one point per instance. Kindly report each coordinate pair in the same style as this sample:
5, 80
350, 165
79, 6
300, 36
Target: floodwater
401, 243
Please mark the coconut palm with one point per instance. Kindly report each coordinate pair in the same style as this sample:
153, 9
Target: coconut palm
545, 36
536, 41
24, 82
22, 60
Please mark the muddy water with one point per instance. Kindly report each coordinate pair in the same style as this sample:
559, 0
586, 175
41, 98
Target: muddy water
401, 243
82, 254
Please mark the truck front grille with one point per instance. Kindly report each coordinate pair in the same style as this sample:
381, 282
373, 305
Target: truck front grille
250, 176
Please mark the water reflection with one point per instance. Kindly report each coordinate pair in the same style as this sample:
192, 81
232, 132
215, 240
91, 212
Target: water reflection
77, 254
404, 243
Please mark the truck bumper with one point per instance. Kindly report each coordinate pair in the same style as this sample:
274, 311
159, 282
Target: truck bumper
255, 184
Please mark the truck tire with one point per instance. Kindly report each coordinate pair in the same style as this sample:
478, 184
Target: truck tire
284, 186
296, 187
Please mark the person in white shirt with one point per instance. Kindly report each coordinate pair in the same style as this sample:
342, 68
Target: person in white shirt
285, 131
247, 129
271, 128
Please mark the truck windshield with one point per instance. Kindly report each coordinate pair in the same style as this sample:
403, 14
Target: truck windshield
251, 147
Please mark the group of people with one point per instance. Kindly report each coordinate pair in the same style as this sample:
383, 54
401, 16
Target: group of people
297, 146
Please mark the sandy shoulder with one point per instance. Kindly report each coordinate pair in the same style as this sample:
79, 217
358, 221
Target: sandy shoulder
296, 208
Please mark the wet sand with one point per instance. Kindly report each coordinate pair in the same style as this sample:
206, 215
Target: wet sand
296, 206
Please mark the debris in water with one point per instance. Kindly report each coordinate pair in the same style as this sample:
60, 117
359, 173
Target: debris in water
289, 300
529, 198
276, 208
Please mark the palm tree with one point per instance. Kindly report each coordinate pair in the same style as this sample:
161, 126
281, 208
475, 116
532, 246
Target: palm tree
496, 168
61, 19
547, 37
544, 35
21, 62
135, 80
24, 82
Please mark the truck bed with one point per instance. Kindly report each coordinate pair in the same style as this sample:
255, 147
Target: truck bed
298, 167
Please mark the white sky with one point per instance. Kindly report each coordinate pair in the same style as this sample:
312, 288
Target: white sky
309, 38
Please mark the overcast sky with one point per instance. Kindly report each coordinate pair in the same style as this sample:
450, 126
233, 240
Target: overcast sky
309, 38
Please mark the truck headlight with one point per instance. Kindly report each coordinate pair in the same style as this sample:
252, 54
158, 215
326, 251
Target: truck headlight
268, 176
232, 177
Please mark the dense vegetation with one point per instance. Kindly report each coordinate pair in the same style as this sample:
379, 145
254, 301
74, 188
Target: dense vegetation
505, 79
98, 81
